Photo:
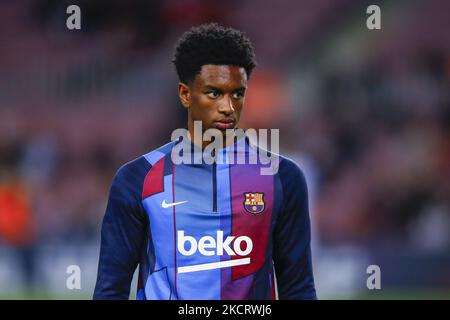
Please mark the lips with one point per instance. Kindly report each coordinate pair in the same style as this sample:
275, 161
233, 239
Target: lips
224, 124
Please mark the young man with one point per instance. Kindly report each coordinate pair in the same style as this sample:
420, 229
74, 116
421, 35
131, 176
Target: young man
207, 230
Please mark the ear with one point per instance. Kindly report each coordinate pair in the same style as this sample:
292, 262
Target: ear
184, 94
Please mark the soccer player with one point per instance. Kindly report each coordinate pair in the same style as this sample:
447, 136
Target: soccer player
202, 230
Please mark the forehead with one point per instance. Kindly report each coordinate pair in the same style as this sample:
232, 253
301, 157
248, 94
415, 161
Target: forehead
221, 76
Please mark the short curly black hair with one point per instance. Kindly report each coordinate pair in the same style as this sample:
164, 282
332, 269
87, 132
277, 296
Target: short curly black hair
212, 44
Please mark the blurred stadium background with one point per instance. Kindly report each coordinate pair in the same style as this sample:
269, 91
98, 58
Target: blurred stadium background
365, 113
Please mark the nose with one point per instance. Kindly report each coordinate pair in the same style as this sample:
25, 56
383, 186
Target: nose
227, 106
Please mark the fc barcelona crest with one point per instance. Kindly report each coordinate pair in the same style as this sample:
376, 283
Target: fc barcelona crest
254, 202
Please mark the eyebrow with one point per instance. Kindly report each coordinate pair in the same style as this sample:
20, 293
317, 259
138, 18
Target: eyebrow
208, 86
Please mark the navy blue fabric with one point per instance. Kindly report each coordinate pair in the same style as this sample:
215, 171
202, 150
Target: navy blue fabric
292, 237
124, 230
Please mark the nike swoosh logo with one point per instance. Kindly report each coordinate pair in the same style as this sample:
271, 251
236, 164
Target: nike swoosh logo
165, 205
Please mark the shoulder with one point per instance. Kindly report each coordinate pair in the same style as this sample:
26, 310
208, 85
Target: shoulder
291, 176
286, 168
289, 167
131, 175
157, 154
136, 176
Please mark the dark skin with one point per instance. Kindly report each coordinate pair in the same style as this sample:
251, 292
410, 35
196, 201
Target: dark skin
215, 97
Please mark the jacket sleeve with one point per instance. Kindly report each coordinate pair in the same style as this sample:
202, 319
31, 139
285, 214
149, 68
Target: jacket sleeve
122, 237
292, 237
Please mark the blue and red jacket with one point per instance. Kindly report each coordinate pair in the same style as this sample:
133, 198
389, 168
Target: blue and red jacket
206, 231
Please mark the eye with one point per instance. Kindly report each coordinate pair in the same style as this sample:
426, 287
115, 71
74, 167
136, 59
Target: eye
213, 94
238, 95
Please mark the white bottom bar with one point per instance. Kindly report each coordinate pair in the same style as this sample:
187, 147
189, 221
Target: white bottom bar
214, 265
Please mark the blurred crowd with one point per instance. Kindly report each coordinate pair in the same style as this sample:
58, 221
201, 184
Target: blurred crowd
75, 105
380, 140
